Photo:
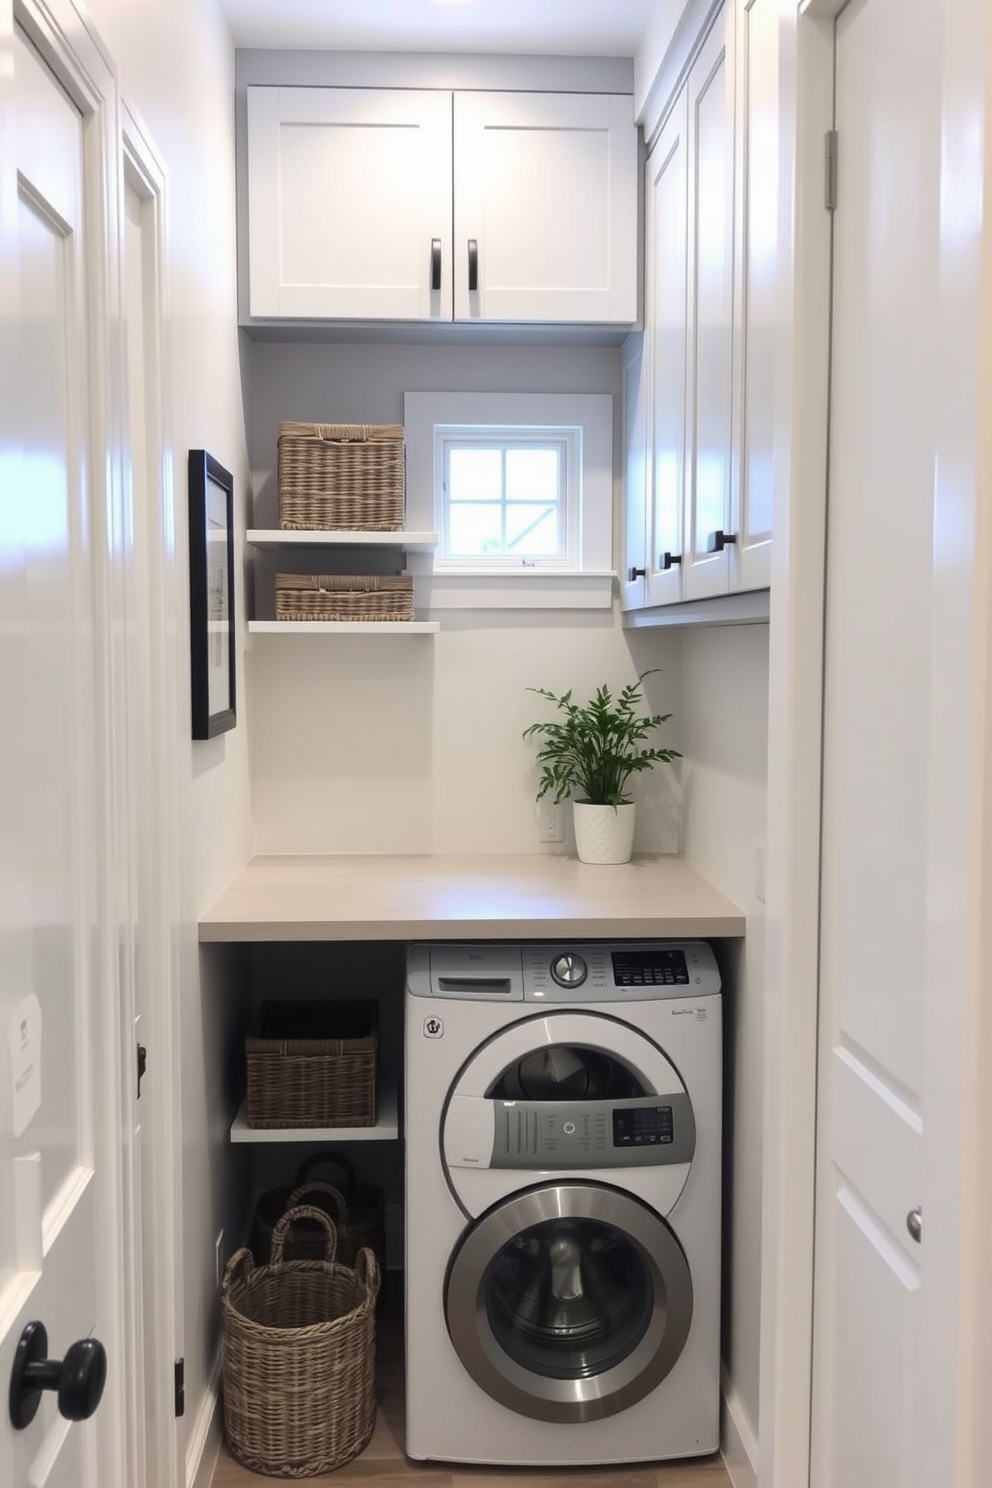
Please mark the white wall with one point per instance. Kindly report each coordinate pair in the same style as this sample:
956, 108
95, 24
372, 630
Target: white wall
413, 744
724, 712
176, 69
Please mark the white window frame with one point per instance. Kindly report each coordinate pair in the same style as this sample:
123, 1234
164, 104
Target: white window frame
584, 579
569, 443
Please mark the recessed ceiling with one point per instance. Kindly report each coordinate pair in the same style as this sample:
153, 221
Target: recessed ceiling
597, 28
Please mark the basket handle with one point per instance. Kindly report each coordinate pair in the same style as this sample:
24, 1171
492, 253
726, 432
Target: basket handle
317, 1159
242, 1261
285, 1224
367, 1270
342, 433
315, 1186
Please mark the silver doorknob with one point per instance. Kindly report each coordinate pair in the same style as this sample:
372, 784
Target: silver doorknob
914, 1223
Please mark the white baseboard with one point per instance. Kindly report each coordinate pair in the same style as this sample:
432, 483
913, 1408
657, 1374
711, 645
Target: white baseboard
738, 1442
204, 1442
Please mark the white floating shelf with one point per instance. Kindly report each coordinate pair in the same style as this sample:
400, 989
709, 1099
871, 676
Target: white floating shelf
386, 1129
344, 627
276, 537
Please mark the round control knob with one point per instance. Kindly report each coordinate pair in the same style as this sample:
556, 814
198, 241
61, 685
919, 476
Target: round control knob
569, 970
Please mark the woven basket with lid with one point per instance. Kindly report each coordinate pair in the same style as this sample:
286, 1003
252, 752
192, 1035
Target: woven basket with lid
341, 477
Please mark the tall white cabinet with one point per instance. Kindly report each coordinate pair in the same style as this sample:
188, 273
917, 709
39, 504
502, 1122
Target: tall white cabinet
374, 204
698, 510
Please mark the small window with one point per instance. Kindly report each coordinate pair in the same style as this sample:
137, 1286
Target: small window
507, 497
518, 488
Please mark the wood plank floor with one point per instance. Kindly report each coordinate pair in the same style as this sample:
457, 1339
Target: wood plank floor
383, 1465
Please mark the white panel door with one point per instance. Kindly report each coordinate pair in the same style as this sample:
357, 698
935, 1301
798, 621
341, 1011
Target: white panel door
705, 563
666, 308
545, 207
349, 203
756, 310
869, 1412
55, 962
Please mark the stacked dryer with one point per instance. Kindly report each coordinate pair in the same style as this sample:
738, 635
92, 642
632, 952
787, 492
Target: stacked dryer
563, 1132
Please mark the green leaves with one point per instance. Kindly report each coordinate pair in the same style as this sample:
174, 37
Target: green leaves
592, 750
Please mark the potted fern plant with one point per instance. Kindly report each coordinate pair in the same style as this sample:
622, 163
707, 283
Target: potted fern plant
589, 752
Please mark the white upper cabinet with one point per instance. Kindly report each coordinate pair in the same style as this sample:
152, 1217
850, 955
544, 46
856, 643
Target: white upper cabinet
351, 215
710, 364
545, 207
757, 247
702, 527
667, 339
349, 203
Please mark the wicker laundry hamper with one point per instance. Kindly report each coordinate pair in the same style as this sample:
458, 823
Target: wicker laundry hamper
341, 477
357, 1209
299, 1356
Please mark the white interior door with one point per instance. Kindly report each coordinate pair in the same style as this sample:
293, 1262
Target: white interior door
56, 955
868, 1408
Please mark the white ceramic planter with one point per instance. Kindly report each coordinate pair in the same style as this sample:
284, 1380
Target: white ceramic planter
603, 834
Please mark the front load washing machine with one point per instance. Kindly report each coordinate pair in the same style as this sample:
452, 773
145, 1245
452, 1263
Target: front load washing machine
563, 1134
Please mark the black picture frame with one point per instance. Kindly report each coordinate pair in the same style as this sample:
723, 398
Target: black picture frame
211, 595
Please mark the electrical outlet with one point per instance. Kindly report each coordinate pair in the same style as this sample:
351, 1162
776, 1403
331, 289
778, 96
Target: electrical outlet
219, 1257
552, 826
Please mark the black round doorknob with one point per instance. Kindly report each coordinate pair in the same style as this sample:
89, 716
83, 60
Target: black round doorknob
79, 1378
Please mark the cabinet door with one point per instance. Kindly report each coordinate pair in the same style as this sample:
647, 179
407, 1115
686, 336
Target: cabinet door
545, 207
757, 190
349, 203
710, 89
637, 475
665, 317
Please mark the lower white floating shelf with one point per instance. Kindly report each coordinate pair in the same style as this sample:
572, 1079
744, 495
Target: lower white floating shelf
345, 627
386, 1129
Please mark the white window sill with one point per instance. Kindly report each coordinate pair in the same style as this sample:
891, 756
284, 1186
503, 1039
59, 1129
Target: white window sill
472, 589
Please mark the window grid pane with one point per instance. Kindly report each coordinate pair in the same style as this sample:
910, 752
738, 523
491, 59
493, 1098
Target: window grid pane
504, 500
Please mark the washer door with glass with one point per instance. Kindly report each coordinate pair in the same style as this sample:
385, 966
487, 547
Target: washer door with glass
568, 1301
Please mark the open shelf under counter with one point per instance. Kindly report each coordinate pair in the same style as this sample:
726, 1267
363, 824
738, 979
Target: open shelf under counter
386, 1129
344, 627
277, 537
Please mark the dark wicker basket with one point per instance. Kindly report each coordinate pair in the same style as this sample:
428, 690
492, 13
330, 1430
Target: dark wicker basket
357, 1209
301, 596
341, 477
299, 1356
313, 1064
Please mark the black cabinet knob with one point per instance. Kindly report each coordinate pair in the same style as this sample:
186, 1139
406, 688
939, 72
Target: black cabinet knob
718, 540
669, 560
435, 263
79, 1378
473, 265
635, 573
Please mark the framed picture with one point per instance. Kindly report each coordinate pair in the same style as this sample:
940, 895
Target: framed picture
211, 595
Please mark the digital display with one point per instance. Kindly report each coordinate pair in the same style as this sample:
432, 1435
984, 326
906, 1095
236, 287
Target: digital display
643, 1126
659, 967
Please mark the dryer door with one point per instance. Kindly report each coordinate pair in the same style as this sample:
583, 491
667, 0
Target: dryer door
571, 1095
568, 1301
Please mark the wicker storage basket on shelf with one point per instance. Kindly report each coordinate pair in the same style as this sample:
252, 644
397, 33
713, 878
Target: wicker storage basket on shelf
313, 1064
341, 477
344, 597
357, 1209
299, 1356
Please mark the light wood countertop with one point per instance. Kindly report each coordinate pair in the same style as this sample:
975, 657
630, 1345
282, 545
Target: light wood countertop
467, 897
